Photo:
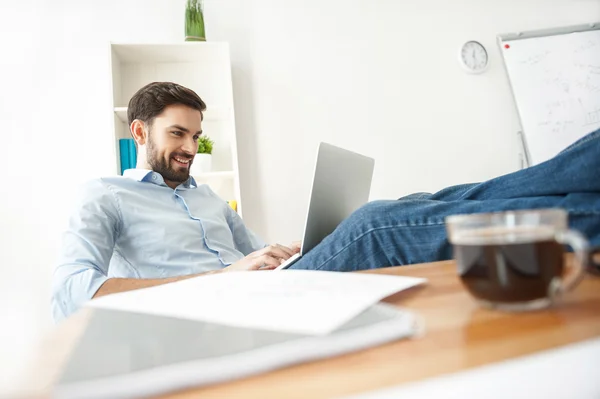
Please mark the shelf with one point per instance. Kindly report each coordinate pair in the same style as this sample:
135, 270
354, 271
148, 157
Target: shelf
121, 113
215, 175
134, 53
212, 114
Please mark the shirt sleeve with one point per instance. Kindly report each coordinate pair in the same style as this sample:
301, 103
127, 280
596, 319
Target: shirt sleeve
245, 240
87, 246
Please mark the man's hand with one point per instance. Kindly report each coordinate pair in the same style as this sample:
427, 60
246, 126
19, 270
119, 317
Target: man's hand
295, 246
267, 258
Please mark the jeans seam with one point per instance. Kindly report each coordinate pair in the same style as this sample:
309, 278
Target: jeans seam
370, 231
585, 139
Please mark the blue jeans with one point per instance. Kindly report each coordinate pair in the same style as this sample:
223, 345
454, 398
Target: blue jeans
411, 229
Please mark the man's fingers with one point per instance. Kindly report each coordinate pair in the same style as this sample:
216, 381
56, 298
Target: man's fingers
265, 262
269, 257
265, 259
285, 249
296, 246
268, 267
277, 251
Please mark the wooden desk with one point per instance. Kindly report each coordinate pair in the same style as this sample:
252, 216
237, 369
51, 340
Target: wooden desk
459, 335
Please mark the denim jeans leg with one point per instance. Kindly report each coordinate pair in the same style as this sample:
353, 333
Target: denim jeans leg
394, 233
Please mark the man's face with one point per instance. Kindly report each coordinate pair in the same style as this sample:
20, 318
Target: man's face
173, 142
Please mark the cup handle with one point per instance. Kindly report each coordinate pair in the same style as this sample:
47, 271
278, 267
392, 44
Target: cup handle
582, 256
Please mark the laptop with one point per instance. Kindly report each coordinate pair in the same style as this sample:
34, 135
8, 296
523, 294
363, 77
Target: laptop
341, 184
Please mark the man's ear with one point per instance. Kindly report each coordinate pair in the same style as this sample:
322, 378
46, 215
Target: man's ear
138, 131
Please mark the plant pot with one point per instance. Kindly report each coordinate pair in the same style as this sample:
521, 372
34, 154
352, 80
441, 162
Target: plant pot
202, 164
194, 21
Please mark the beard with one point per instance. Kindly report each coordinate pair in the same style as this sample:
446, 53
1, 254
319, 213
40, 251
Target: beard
160, 165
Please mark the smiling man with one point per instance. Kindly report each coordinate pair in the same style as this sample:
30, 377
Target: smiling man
154, 225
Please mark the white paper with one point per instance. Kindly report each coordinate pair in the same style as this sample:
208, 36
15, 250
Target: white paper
297, 301
564, 373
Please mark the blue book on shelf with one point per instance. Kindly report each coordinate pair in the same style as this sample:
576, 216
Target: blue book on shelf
127, 154
132, 154
124, 154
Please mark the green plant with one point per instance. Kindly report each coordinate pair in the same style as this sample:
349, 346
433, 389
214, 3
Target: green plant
205, 145
194, 21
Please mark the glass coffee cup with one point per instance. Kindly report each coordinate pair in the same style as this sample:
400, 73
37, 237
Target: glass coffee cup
514, 260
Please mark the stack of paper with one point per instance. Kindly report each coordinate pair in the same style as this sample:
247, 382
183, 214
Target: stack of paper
225, 326
297, 301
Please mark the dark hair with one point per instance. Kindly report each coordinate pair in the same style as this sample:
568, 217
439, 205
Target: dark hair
151, 100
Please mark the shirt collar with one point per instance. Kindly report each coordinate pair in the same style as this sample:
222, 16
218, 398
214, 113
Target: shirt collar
146, 175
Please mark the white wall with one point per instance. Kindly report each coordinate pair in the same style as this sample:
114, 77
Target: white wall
376, 76
379, 77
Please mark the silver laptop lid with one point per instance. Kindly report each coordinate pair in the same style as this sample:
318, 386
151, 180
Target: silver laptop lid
341, 184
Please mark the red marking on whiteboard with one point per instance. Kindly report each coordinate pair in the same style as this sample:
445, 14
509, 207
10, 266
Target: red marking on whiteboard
506, 46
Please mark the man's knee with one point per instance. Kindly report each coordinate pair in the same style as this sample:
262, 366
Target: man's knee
415, 196
372, 213
386, 213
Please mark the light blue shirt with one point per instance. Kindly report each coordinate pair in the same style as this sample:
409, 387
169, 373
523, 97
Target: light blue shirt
135, 226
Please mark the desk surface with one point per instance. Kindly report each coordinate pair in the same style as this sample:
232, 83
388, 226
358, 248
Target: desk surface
459, 335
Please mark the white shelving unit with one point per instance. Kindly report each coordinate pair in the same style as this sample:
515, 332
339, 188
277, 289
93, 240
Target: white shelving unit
201, 66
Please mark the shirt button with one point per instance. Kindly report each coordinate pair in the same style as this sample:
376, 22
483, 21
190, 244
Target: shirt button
153, 177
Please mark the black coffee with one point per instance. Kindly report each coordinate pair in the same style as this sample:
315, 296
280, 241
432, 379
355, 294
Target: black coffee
511, 271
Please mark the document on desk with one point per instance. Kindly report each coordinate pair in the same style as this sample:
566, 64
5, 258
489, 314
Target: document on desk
297, 301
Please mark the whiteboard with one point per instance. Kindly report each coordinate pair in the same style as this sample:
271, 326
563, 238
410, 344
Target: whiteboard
555, 80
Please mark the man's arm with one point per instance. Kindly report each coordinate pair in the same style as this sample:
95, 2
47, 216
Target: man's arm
114, 285
87, 246
264, 259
